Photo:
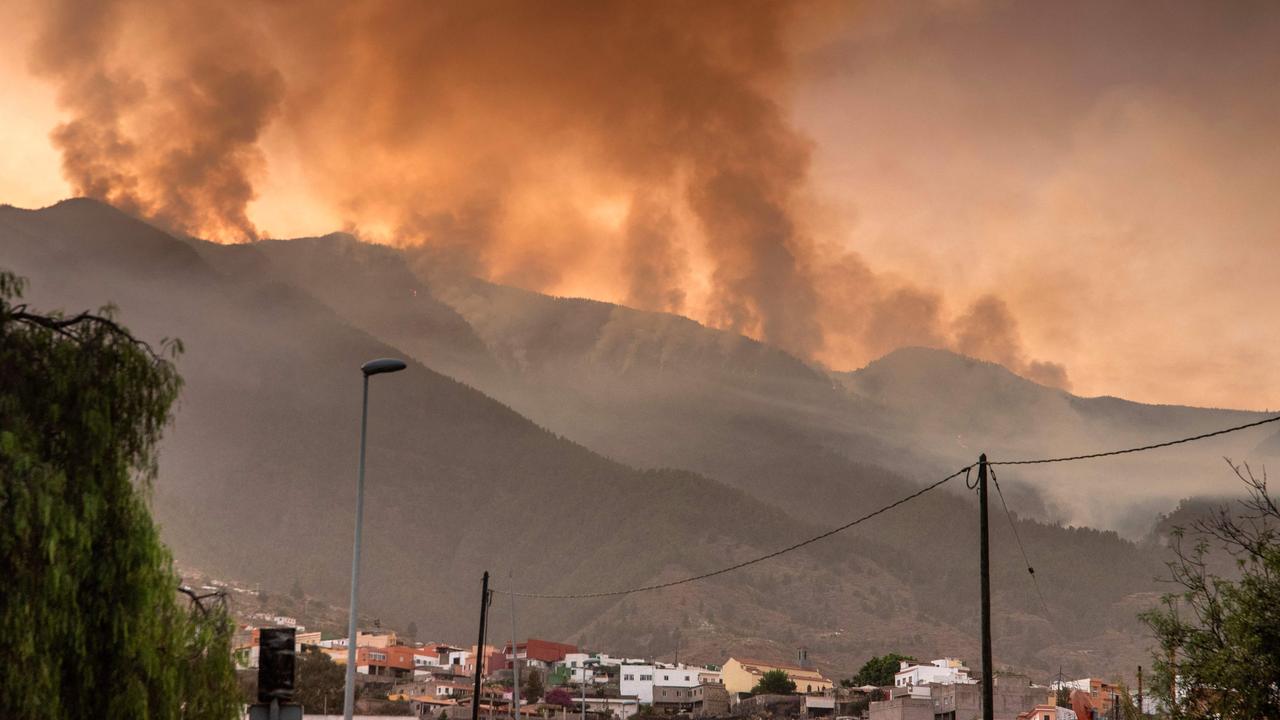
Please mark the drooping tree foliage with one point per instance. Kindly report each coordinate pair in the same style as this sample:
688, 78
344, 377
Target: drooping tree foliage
1219, 637
92, 623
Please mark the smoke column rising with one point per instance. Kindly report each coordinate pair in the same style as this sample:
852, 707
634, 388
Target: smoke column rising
640, 150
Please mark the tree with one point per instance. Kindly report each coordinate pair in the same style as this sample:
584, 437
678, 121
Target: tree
296, 591
412, 631
879, 671
1062, 698
1220, 638
774, 682
91, 610
318, 682
560, 696
532, 690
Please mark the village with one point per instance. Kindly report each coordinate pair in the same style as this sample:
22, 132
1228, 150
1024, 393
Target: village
558, 680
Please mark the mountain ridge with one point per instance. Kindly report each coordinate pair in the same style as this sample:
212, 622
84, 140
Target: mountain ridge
755, 460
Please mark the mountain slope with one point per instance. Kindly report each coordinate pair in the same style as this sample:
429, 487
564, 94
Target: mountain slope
257, 472
657, 390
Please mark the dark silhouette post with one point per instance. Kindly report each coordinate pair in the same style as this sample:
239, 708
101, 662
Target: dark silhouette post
484, 616
984, 568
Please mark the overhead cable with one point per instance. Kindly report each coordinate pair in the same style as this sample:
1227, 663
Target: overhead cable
1109, 453
962, 471
744, 563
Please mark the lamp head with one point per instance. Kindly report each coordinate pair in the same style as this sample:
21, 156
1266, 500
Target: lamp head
382, 365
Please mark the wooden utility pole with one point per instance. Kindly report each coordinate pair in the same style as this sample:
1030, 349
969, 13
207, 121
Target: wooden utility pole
479, 659
984, 568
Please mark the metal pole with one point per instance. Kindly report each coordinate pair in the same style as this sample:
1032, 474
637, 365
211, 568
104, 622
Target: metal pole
988, 674
479, 660
515, 656
584, 690
349, 692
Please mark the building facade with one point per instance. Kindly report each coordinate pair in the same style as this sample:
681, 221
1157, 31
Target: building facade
742, 674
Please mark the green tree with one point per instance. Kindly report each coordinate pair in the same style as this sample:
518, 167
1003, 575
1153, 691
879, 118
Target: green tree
411, 632
1219, 637
296, 591
318, 682
774, 682
1062, 698
879, 671
533, 688
90, 616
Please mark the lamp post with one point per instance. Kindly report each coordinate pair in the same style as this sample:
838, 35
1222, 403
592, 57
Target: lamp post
373, 367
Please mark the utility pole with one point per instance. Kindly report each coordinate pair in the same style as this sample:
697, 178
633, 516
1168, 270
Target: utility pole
988, 674
584, 690
515, 657
479, 659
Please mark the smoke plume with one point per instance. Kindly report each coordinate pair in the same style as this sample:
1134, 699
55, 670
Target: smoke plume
634, 151
165, 117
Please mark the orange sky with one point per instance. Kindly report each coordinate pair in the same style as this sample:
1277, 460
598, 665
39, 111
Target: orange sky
1107, 171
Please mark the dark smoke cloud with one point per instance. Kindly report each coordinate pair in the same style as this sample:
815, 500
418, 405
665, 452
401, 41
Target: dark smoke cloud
988, 330
641, 150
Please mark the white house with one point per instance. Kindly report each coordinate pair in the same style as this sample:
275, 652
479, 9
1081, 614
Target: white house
639, 680
636, 681
946, 671
585, 667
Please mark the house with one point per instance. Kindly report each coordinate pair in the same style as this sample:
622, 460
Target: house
578, 667
1011, 696
818, 706
1046, 711
490, 655
534, 653
395, 661
642, 681
452, 690
303, 639
673, 699
742, 674
945, 671
902, 707
1102, 694
711, 699
363, 639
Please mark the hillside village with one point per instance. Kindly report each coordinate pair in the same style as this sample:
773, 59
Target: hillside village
400, 675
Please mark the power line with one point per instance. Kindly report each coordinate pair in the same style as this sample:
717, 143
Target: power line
1030, 570
1109, 453
962, 471
745, 563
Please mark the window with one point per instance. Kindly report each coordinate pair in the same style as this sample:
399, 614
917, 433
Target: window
666, 677
628, 677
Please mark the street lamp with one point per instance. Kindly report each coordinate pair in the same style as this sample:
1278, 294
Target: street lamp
373, 367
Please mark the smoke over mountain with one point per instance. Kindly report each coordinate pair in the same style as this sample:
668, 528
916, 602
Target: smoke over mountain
633, 151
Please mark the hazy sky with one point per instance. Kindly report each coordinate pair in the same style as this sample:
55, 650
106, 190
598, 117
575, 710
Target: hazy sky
1084, 191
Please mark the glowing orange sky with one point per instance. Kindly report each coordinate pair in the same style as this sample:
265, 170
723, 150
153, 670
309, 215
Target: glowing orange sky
1108, 171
